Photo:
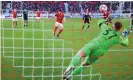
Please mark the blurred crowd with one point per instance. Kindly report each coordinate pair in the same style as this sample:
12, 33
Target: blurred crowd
72, 6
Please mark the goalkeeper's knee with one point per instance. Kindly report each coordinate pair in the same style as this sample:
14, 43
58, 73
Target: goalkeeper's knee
86, 61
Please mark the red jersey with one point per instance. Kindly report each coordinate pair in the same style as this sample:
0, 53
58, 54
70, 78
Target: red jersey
38, 13
14, 13
60, 17
106, 15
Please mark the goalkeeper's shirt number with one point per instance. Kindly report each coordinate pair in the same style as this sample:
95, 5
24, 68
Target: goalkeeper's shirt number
107, 32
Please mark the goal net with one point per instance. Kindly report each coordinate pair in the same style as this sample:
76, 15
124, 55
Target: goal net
34, 53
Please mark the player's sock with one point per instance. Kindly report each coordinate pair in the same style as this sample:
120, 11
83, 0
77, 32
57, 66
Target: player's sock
55, 30
83, 27
88, 26
16, 23
78, 70
74, 62
59, 32
13, 24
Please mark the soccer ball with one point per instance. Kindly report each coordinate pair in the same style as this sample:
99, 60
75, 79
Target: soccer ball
103, 7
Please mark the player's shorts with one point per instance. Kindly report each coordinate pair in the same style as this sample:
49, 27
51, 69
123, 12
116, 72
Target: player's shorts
91, 59
93, 52
14, 19
25, 18
89, 48
59, 25
93, 48
87, 21
38, 18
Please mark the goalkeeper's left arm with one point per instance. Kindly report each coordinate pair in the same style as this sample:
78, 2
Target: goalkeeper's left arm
124, 41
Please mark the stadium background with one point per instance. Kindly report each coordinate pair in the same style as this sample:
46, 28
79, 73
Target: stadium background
33, 54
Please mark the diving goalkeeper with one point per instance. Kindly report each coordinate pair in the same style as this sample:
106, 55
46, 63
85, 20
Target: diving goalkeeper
96, 48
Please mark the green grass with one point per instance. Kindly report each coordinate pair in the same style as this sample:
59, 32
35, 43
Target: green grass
32, 43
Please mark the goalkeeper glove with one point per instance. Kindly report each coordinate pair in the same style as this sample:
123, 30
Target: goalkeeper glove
125, 33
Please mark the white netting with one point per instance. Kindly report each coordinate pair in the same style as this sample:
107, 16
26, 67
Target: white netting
38, 57
20, 61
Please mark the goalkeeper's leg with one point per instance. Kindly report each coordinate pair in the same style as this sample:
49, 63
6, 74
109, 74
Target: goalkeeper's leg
85, 51
88, 61
74, 62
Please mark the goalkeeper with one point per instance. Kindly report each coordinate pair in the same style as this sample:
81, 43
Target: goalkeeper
96, 48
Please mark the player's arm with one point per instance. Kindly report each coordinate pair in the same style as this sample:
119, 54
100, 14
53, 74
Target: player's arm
64, 19
83, 17
89, 17
102, 24
12, 14
55, 16
124, 41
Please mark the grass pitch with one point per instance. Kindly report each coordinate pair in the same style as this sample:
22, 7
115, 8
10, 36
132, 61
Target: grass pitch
32, 52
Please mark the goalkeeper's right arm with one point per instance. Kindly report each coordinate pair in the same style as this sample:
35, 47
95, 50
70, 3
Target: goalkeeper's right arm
102, 24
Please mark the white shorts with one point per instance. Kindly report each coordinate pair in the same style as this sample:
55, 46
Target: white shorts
38, 18
59, 25
14, 19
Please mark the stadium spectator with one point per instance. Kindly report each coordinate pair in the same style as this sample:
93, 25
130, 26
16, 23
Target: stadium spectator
73, 6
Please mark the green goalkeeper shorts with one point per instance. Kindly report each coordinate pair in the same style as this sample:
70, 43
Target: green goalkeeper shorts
94, 56
89, 48
93, 52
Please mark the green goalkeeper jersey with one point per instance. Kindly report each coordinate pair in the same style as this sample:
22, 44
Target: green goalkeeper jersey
108, 37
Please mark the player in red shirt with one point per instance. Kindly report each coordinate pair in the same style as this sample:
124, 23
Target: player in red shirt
38, 14
107, 16
14, 18
60, 19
